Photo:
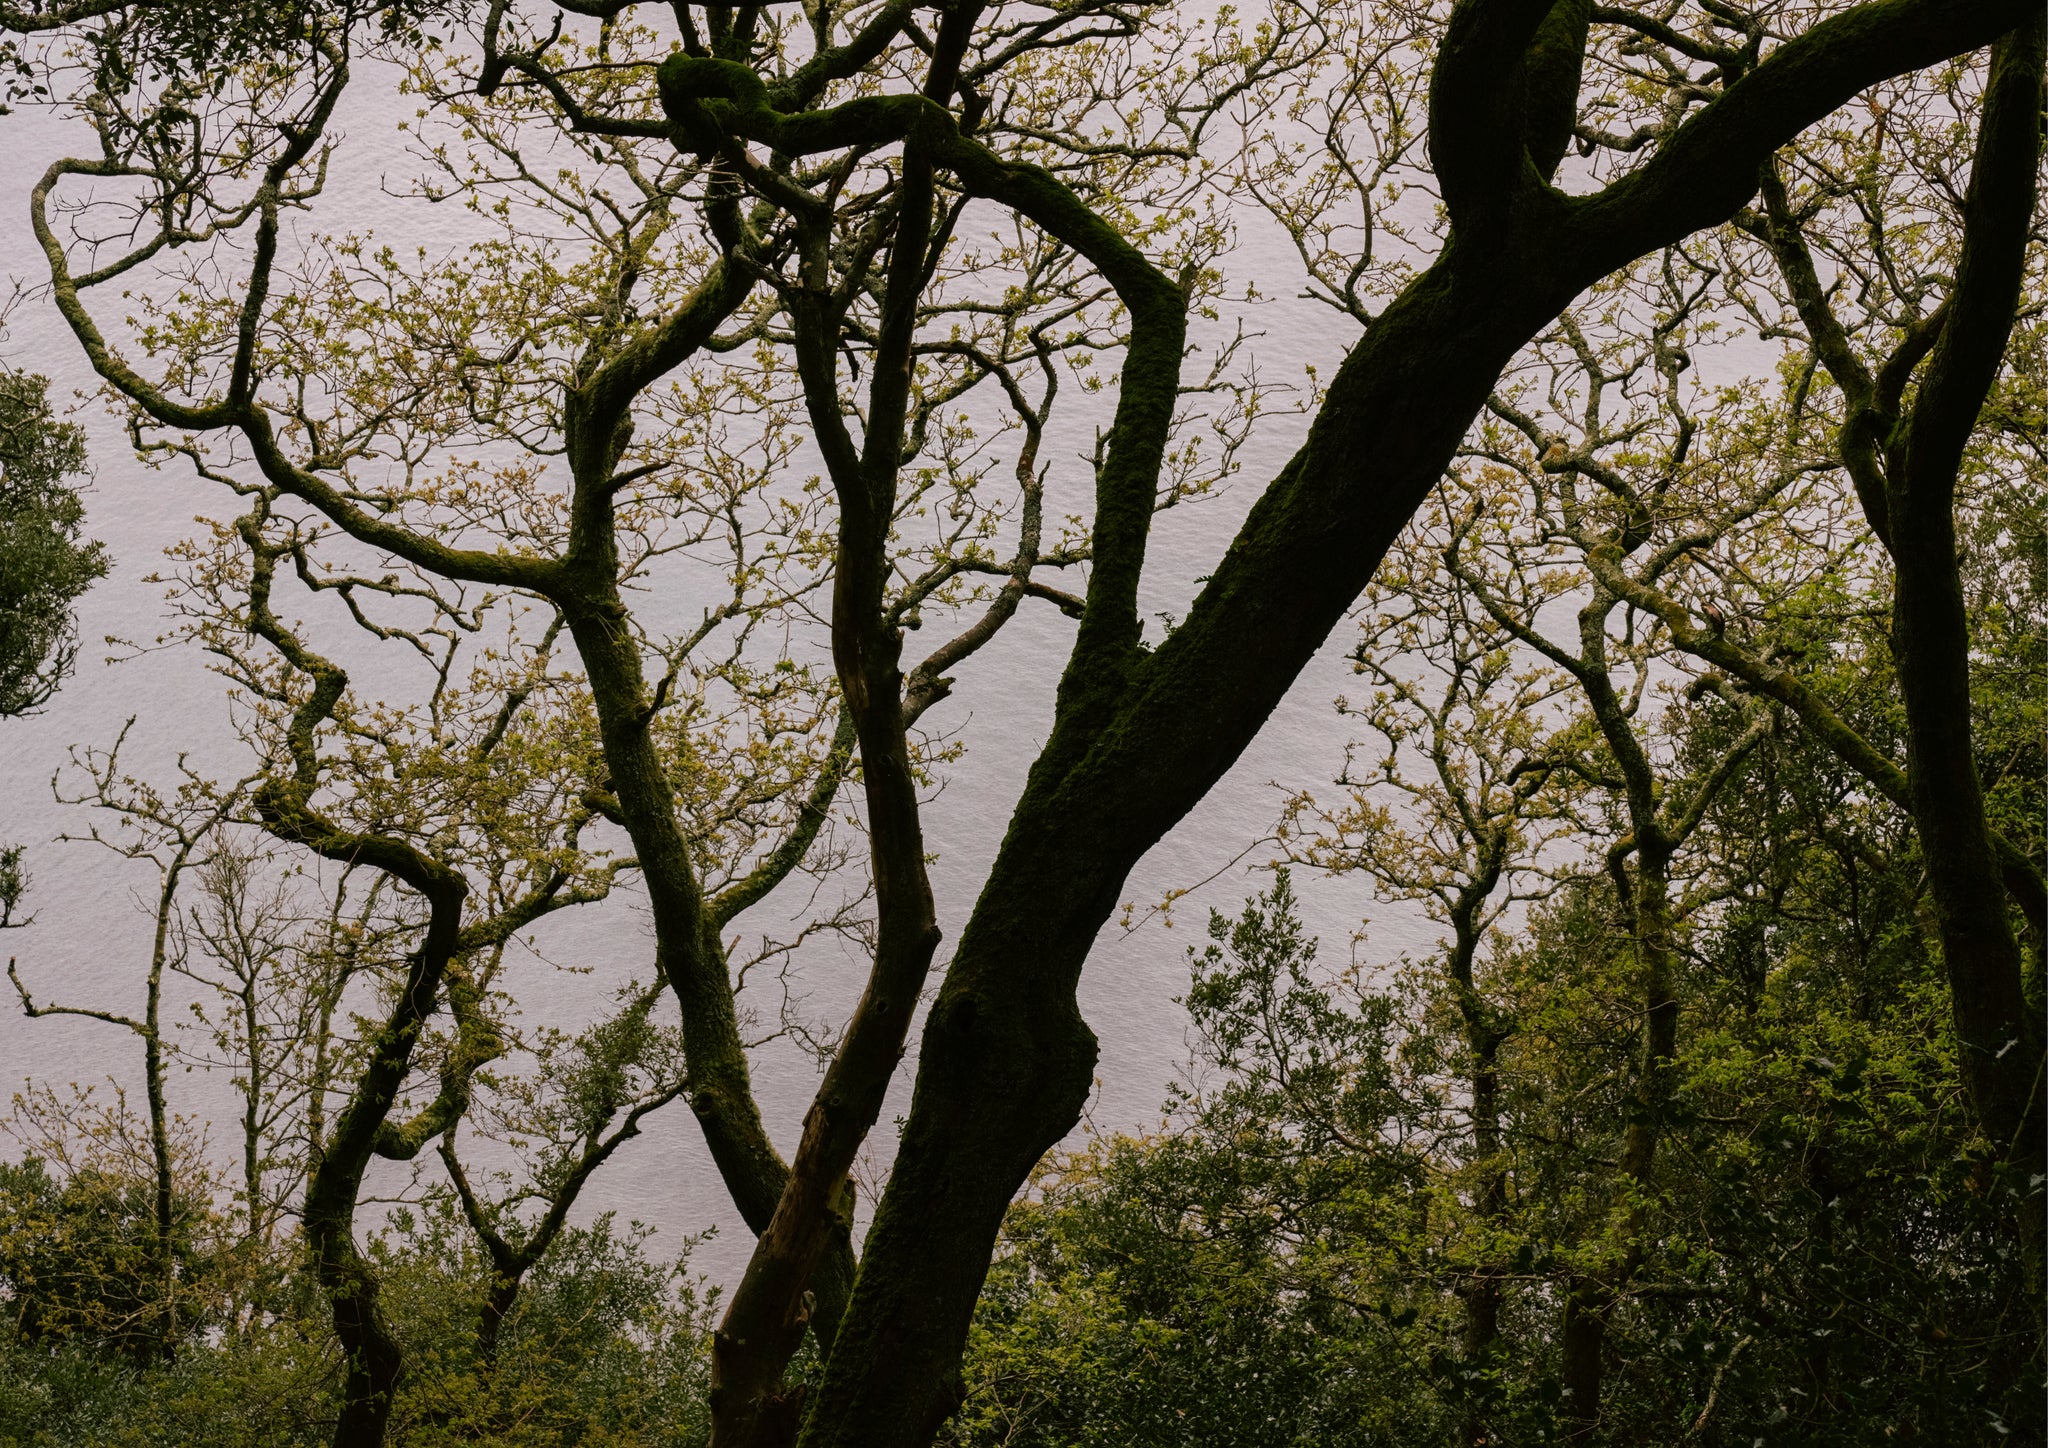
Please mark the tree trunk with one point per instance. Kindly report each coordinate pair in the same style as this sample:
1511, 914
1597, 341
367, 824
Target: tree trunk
1999, 1042
372, 1360
1582, 1349
165, 1329
1482, 1296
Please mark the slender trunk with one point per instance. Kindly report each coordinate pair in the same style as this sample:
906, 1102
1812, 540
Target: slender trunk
165, 1224
372, 1361
1482, 1295
509, 1264
499, 1299
165, 1329
1590, 1301
252, 1115
750, 1406
1484, 1037
2000, 1043
1657, 963
1582, 1346
1930, 640
688, 951
1906, 474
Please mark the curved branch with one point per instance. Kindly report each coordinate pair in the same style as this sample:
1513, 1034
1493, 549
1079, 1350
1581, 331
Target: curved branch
1709, 166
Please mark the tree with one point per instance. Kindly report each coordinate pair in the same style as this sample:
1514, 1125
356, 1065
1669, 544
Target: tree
1237, 1275
837, 242
1463, 797
1291, 1254
84, 1260
175, 834
1905, 462
44, 562
606, 1082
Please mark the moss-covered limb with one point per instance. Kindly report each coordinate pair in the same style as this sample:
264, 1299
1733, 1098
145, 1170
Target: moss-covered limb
2022, 876
477, 1044
176, 187
372, 1357
841, 62
807, 1242
300, 137
334, 1181
688, 953
35, 19
1709, 166
1485, 101
1485, 1033
867, 496
1125, 492
640, 798
733, 98
285, 803
581, 120
549, 896
507, 1269
1682, 821
1007, 1061
1552, 67
1871, 402
1660, 820
736, 99
686, 947
1779, 229
1907, 492
1127, 483
1981, 306
2000, 1042
768, 1315
596, 406
511, 1262
1651, 28
789, 852
496, 568
65, 289
730, 29
238, 409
